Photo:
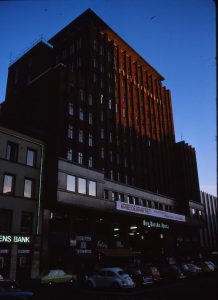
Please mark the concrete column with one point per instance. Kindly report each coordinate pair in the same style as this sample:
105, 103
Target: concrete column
13, 265
35, 267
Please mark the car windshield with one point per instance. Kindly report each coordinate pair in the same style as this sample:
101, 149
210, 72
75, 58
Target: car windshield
185, 267
56, 273
121, 272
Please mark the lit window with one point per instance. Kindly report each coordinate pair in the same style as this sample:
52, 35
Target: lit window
31, 158
70, 108
81, 185
90, 161
92, 188
81, 114
102, 98
71, 183
193, 211
90, 118
8, 184
90, 99
12, 151
28, 188
69, 154
70, 132
81, 136
80, 158
90, 140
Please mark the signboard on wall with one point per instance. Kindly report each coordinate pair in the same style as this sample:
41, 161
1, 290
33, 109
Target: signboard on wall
137, 209
7, 238
83, 244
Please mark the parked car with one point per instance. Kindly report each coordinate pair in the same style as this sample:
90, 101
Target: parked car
212, 264
58, 276
190, 269
139, 277
153, 271
10, 290
205, 266
171, 271
110, 277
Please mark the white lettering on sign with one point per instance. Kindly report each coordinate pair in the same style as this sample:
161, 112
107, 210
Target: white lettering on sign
84, 251
14, 239
155, 224
83, 238
101, 244
137, 209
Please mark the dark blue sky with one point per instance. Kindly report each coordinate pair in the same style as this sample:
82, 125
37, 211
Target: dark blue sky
177, 37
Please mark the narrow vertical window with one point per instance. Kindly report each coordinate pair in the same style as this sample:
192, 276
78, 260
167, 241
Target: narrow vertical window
28, 188
70, 108
90, 118
101, 99
110, 104
12, 151
81, 185
70, 132
102, 152
90, 99
81, 92
90, 162
81, 114
102, 133
71, 183
81, 136
92, 188
8, 184
31, 158
80, 158
90, 140
26, 222
69, 154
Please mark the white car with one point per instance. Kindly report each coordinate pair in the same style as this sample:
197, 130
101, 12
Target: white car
110, 277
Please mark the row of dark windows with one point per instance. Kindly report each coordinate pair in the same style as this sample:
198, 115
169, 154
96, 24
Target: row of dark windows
115, 196
6, 218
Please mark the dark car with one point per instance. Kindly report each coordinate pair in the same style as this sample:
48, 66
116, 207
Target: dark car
10, 290
139, 277
153, 271
171, 271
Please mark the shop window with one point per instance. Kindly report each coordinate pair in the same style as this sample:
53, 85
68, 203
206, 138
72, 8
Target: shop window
81, 185
92, 190
26, 222
28, 188
31, 157
12, 151
8, 184
71, 183
5, 220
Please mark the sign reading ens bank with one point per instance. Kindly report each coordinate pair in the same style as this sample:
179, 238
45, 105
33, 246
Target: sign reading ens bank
137, 209
14, 239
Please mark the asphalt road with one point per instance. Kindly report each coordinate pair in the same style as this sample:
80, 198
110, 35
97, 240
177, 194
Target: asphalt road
197, 288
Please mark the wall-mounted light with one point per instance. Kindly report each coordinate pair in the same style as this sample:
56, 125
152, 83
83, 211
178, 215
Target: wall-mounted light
116, 229
133, 227
161, 235
131, 233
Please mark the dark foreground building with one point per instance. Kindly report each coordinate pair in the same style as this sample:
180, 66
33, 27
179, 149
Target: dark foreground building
116, 182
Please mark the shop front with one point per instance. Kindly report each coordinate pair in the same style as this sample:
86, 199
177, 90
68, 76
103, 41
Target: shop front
15, 256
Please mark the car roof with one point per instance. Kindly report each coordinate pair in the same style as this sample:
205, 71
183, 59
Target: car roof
115, 269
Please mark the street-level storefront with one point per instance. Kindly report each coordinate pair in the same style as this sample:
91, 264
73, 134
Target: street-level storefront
16, 256
82, 238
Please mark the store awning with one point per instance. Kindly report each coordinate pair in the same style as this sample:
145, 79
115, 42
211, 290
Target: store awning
119, 252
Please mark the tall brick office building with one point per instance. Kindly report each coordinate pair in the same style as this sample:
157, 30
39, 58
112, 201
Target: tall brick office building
107, 122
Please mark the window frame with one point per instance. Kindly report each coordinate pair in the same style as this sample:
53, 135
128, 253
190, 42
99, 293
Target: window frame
13, 176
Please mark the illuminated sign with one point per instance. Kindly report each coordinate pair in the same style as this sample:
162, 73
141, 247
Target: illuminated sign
14, 239
155, 224
137, 209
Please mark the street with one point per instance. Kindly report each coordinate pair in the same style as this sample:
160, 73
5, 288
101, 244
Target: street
202, 287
